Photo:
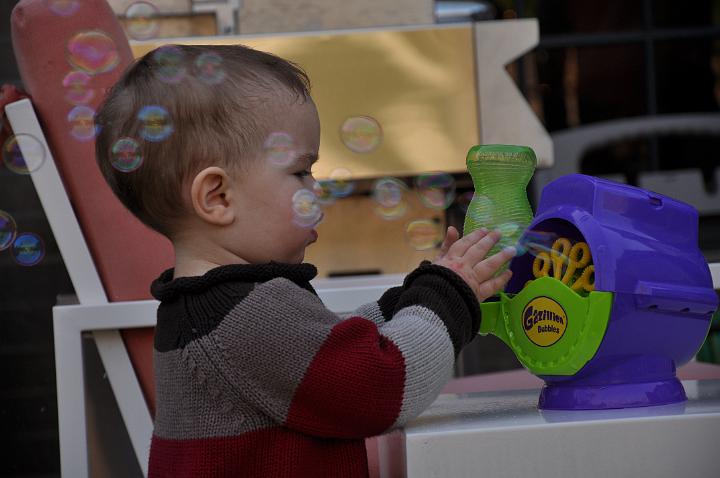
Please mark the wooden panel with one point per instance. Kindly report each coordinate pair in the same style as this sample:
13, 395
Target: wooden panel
261, 16
352, 237
195, 25
163, 6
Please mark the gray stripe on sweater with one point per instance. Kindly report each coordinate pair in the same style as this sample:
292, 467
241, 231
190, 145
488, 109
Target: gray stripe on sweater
427, 349
191, 404
279, 320
370, 311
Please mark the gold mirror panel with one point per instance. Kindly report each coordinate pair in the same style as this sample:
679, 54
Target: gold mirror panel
392, 102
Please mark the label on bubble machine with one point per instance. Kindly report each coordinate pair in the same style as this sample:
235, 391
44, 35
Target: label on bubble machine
544, 321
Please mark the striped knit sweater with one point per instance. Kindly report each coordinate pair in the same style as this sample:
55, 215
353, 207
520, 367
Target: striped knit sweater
255, 377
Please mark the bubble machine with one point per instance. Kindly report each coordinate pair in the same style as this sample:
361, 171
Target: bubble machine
610, 293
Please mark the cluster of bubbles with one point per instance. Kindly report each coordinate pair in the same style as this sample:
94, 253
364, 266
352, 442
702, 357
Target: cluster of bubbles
436, 190
173, 66
93, 52
26, 248
90, 53
140, 17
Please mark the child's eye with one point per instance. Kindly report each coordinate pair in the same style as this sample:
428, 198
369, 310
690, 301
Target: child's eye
304, 173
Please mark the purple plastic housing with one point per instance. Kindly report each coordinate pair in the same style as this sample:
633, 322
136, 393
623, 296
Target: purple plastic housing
644, 247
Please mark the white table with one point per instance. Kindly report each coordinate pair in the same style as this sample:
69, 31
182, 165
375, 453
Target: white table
503, 434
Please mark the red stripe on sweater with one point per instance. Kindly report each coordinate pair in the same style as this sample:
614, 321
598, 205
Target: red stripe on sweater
273, 452
354, 386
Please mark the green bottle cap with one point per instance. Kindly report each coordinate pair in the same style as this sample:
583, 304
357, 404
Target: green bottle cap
503, 153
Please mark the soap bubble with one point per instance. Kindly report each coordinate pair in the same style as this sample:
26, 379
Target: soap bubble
389, 195
141, 20
27, 249
361, 134
509, 231
306, 209
279, 149
481, 211
64, 8
82, 123
423, 234
340, 184
25, 160
171, 64
436, 189
323, 192
155, 123
77, 91
209, 67
534, 242
8, 230
93, 52
126, 155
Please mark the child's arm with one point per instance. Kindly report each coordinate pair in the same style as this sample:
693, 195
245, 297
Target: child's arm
281, 350
382, 310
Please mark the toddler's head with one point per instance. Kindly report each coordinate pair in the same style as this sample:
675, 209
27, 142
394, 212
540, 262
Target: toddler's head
212, 147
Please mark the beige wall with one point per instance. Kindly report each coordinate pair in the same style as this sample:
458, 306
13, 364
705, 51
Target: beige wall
259, 16
163, 6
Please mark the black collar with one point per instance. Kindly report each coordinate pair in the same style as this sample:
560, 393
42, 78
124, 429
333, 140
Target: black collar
165, 288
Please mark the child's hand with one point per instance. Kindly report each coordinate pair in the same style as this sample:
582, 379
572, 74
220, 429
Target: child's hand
467, 258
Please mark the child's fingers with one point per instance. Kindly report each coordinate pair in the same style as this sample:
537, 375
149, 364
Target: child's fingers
491, 264
461, 247
450, 237
496, 284
480, 249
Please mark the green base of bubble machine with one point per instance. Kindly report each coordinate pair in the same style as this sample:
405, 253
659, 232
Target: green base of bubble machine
552, 329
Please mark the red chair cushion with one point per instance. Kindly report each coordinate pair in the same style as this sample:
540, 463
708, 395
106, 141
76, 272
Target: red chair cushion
128, 255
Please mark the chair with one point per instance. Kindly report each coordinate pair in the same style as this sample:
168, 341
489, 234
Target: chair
110, 256
685, 185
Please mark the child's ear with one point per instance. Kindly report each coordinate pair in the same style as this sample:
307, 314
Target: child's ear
211, 196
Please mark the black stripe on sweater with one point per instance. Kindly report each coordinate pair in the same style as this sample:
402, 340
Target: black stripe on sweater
447, 295
192, 316
388, 301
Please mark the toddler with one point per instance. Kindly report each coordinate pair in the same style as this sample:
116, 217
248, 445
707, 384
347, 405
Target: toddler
255, 377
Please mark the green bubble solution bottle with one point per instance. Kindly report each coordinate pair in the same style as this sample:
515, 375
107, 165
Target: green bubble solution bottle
500, 174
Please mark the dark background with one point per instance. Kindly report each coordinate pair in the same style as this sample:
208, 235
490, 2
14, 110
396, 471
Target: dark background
597, 60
